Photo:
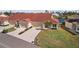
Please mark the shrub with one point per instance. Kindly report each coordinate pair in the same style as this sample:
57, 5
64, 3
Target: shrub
47, 24
8, 30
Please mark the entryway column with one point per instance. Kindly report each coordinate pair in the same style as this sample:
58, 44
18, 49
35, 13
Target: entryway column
43, 26
57, 26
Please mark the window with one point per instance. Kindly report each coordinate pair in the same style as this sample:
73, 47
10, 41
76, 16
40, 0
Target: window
54, 25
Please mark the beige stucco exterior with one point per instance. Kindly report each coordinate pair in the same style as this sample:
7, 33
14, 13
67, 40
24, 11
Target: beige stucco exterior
68, 25
74, 26
27, 24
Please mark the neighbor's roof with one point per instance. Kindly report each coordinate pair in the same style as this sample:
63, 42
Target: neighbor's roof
73, 20
7, 41
3, 17
32, 16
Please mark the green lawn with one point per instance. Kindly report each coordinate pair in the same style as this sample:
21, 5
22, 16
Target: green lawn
8, 28
57, 39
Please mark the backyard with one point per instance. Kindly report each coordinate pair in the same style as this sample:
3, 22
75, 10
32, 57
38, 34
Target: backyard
56, 39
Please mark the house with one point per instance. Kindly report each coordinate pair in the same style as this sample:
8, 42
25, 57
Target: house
72, 24
62, 21
33, 19
2, 19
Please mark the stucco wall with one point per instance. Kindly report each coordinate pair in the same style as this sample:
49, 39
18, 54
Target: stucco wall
26, 24
68, 25
23, 23
13, 22
37, 24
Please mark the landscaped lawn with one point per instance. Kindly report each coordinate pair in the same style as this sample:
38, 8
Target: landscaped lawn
7, 29
57, 39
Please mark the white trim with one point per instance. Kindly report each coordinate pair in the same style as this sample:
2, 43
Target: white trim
29, 24
57, 26
77, 27
43, 26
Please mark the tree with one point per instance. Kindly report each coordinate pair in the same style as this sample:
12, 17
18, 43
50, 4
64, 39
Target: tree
46, 11
47, 24
7, 13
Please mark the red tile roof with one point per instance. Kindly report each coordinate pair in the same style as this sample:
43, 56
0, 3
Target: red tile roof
31, 16
37, 17
55, 21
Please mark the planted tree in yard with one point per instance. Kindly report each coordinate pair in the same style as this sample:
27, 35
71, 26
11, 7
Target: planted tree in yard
6, 30
7, 13
46, 11
47, 24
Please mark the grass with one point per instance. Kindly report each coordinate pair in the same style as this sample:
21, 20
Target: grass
57, 39
8, 30
73, 16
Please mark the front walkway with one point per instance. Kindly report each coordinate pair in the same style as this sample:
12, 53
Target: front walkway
28, 36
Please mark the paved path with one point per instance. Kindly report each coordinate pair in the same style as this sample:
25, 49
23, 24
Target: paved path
28, 36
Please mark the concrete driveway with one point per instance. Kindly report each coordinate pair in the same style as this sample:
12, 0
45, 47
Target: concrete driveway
28, 36
1, 28
8, 41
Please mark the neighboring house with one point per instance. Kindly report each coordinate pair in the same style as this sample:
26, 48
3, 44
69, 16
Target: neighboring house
62, 21
33, 19
3, 18
72, 24
55, 14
